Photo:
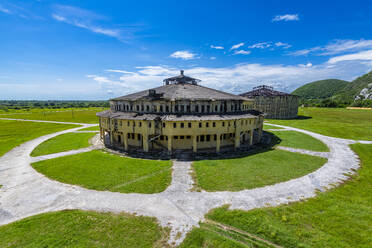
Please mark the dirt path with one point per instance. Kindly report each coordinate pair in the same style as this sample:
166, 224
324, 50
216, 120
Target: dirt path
25, 192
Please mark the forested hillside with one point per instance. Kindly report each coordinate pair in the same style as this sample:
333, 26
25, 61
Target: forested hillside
320, 89
335, 92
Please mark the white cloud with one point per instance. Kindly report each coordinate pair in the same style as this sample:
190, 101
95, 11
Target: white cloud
287, 17
212, 58
118, 71
217, 47
5, 10
109, 32
186, 55
282, 44
237, 46
90, 21
238, 78
59, 18
261, 45
364, 55
243, 52
336, 47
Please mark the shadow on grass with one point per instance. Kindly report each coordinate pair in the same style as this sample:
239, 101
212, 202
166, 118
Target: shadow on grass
269, 141
300, 117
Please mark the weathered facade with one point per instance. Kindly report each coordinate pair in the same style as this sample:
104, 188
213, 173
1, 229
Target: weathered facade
180, 115
274, 104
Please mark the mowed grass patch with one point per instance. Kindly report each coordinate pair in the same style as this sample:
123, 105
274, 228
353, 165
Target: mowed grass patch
86, 115
14, 133
300, 140
75, 228
95, 128
335, 122
256, 170
341, 217
62, 143
103, 171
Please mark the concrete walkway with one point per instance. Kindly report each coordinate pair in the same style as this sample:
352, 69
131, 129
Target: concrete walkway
25, 192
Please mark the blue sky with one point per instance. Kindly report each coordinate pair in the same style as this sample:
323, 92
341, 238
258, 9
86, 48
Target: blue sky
100, 49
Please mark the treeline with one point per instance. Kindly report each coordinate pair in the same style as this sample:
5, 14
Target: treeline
17, 104
335, 103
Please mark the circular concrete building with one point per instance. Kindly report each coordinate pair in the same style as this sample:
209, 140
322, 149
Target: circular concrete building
274, 104
180, 115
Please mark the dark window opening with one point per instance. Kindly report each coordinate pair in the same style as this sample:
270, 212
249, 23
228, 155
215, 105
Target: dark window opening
189, 124
174, 125
208, 138
200, 124
182, 137
176, 137
182, 125
214, 124
207, 124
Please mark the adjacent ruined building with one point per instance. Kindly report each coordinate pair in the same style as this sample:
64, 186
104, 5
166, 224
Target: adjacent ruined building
274, 104
180, 115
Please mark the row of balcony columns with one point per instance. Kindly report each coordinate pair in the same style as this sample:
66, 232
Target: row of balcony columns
145, 140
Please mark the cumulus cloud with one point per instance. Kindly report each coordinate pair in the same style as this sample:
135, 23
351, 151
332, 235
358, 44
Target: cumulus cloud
241, 77
336, 47
185, 55
242, 52
217, 47
287, 17
237, 46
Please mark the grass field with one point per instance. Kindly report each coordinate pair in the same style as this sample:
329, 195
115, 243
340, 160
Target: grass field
341, 217
253, 171
300, 140
75, 228
102, 171
14, 133
86, 115
336, 122
62, 143
95, 128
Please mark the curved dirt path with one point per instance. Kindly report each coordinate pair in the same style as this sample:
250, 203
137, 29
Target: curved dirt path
25, 192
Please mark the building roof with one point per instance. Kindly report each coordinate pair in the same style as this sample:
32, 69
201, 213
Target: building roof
171, 117
179, 88
264, 90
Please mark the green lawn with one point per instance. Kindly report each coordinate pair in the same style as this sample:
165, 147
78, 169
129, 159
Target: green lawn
86, 115
14, 133
62, 143
95, 128
103, 171
340, 218
336, 122
300, 140
75, 228
253, 171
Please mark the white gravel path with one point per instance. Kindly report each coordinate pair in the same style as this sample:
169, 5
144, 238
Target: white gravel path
25, 192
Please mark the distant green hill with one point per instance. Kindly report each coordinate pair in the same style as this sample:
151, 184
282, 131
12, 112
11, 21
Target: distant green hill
353, 89
321, 89
334, 88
